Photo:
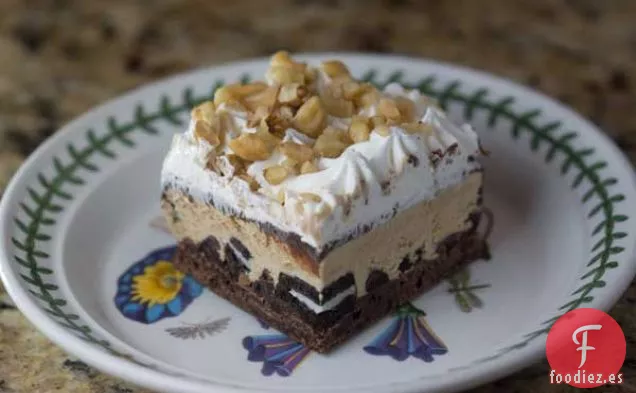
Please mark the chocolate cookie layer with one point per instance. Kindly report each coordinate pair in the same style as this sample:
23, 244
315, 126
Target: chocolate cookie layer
321, 332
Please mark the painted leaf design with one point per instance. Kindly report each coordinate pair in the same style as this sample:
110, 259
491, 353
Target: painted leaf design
463, 277
462, 302
474, 300
200, 330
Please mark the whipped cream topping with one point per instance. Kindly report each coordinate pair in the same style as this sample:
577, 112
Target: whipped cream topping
362, 188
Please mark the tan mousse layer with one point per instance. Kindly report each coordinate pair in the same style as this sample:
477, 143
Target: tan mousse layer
423, 225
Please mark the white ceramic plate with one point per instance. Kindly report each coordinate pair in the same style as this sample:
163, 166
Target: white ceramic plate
78, 227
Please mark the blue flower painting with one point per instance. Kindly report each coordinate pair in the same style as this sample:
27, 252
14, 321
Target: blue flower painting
408, 335
279, 353
152, 289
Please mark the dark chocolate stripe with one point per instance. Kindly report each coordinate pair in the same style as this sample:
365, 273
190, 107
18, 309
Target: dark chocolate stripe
376, 279
240, 247
287, 283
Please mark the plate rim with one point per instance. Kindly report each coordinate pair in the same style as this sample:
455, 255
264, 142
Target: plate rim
100, 359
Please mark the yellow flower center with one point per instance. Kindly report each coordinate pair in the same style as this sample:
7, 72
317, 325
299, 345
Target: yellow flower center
158, 284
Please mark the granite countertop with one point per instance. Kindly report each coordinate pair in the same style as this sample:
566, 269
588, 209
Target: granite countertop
60, 57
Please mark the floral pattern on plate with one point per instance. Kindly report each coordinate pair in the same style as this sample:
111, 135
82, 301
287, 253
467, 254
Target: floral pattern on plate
152, 289
279, 353
408, 335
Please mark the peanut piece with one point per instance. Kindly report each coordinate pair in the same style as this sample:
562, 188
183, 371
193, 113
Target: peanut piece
284, 75
378, 121
359, 130
311, 117
334, 102
281, 58
334, 68
263, 133
261, 98
406, 108
308, 167
223, 94
276, 174
204, 130
332, 143
254, 118
369, 97
389, 109
236, 162
292, 94
250, 147
205, 111
296, 151
280, 197
307, 196
291, 165
352, 90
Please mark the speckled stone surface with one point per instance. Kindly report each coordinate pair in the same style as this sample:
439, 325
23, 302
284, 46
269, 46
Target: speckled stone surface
59, 58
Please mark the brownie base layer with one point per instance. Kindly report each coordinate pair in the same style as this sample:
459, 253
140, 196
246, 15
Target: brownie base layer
322, 332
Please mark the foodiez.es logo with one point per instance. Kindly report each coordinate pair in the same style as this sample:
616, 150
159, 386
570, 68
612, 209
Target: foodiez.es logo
586, 348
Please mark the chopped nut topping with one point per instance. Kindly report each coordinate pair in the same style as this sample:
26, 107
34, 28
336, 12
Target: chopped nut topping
263, 98
244, 90
382, 130
276, 174
254, 118
262, 131
292, 94
281, 58
335, 68
205, 112
296, 151
293, 98
283, 70
207, 124
310, 76
352, 90
249, 96
292, 166
378, 121
368, 97
307, 196
389, 109
222, 95
332, 142
406, 108
204, 130
334, 101
254, 186
308, 167
284, 75
251, 147
280, 120
359, 130
311, 117
237, 162
280, 196
338, 107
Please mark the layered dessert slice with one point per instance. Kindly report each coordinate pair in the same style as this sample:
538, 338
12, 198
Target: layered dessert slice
319, 203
